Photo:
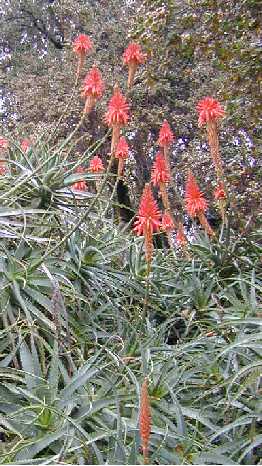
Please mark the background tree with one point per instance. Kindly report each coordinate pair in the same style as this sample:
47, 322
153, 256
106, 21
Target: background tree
194, 49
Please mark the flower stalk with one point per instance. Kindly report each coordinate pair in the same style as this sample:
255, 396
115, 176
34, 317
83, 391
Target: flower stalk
145, 420
196, 205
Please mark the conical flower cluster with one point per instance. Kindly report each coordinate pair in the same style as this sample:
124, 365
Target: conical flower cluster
117, 115
93, 88
195, 201
82, 45
121, 154
133, 57
148, 220
209, 110
196, 205
96, 165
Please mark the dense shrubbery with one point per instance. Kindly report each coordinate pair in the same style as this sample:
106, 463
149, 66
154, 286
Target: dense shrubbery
85, 321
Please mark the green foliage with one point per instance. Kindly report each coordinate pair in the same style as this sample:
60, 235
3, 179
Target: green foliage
76, 342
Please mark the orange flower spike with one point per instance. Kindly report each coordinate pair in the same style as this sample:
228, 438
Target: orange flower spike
96, 165
117, 115
81, 184
160, 176
165, 139
25, 145
82, 45
180, 236
148, 220
209, 112
132, 57
166, 136
121, 154
196, 205
167, 224
195, 201
160, 172
145, 420
93, 88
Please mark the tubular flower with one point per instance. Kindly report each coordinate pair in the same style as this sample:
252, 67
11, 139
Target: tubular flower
196, 205
82, 45
148, 220
160, 172
117, 115
167, 222
166, 136
219, 192
145, 419
93, 88
195, 201
96, 165
4, 144
180, 236
132, 57
81, 184
121, 154
25, 145
160, 176
210, 111
165, 139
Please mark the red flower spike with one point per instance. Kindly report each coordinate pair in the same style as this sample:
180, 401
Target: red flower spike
167, 223
122, 149
4, 144
25, 145
133, 54
145, 419
132, 57
148, 217
96, 165
209, 110
160, 171
219, 192
148, 220
166, 136
93, 88
195, 201
180, 236
121, 153
82, 45
81, 184
93, 84
117, 113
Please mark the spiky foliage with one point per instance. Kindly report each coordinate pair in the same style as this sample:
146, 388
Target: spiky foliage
74, 347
